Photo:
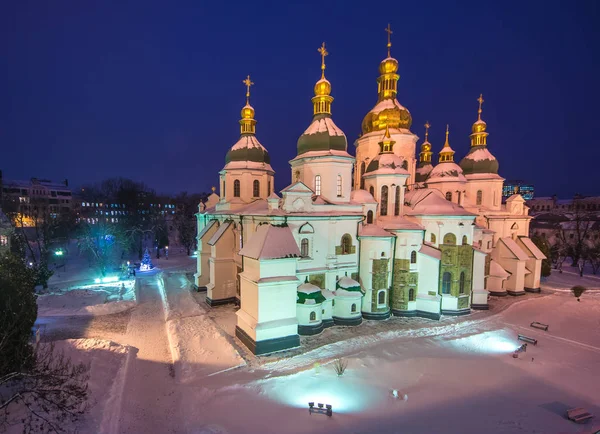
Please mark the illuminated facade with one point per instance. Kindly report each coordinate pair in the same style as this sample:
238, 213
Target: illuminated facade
36, 199
406, 240
518, 187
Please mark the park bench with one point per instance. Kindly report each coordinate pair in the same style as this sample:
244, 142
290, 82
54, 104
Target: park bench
320, 409
539, 325
527, 339
579, 415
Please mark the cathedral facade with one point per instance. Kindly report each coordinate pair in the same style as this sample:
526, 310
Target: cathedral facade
359, 238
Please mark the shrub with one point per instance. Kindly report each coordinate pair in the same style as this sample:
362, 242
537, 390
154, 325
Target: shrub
340, 365
578, 291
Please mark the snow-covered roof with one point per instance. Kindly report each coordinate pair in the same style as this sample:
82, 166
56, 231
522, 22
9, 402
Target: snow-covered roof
362, 196
373, 231
206, 228
247, 141
309, 294
273, 195
324, 153
297, 187
480, 155
327, 294
244, 164
387, 104
514, 248
431, 251
532, 248
348, 284
217, 235
429, 201
446, 171
424, 170
400, 223
324, 125
496, 270
308, 288
340, 292
271, 242
386, 164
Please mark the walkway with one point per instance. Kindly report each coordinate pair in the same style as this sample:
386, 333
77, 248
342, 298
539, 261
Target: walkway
149, 396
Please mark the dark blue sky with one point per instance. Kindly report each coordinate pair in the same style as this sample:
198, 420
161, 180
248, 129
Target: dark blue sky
152, 90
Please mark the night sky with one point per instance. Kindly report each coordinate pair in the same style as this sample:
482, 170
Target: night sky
153, 91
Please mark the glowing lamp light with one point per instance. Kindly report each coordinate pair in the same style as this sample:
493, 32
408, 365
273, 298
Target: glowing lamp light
107, 279
58, 253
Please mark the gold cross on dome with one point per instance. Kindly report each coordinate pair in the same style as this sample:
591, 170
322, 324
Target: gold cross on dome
427, 126
248, 83
388, 30
480, 99
323, 51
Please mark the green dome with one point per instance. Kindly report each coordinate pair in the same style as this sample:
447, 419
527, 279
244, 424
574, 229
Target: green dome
322, 135
248, 148
479, 160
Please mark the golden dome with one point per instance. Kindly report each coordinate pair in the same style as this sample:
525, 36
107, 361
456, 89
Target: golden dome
247, 112
388, 66
426, 147
322, 87
479, 126
386, 113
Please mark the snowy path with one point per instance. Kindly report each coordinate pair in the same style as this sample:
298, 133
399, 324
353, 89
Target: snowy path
148, 401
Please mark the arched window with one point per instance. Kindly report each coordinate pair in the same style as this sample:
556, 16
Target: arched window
384, 200
372, 191
362, 172
268, 187
411, 294
369, 217
223, 189
446, 282
397, 201
464, 240
479, 197
313, 316
346, 244
405, 165
236, 188
450, 238
318, 185
461, 283
353, 308
432, 238
381, 297
256, 188
413, 257
297, 176
304, 247
449, 196
339, 186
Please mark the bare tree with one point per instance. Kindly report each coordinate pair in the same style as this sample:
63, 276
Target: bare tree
47, 396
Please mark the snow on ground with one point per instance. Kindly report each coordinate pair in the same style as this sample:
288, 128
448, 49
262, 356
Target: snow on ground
100, 299
461, 380
198, 346
458, 373
108, 363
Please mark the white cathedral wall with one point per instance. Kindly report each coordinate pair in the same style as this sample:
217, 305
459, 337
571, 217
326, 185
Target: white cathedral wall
322, 258
454, 187
204, 252
406, 243
491, 192
268, 310
303, 312
429, 275
368, 148
441, 225
508, 226
246, 178
328, 168
342, 307
391, 181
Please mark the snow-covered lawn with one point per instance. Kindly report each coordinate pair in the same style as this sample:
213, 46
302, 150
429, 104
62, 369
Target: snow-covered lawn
458, 373
97, 299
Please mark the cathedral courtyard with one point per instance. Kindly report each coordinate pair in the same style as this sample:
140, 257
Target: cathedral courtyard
176, 367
